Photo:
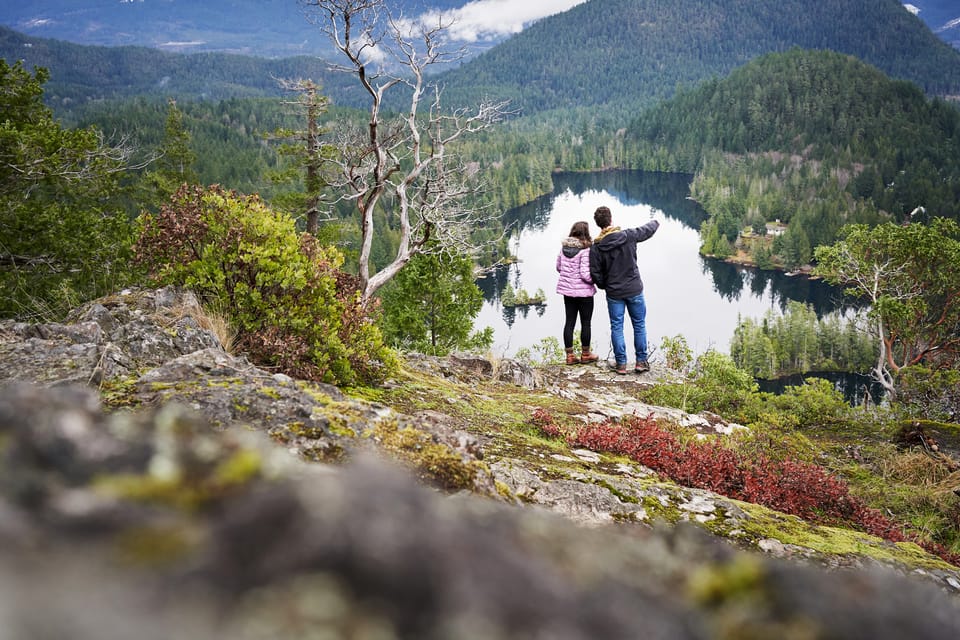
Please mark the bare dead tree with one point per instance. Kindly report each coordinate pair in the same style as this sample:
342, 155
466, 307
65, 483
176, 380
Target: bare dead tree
403, 165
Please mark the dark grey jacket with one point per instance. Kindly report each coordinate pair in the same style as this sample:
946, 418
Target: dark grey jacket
613, 260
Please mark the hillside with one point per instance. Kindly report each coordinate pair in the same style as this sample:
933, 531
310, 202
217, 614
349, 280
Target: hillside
819, 100
628, 54
619, 54
434, 508
266, 28
81, 73
942, 16
820, 139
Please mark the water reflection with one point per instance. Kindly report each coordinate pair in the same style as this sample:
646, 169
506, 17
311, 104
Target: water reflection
687, 294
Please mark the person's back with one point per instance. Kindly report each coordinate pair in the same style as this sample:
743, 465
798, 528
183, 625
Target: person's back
574, 284
613, 268
613, 261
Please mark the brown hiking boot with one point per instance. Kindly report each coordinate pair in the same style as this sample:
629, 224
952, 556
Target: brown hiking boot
586, 356
572, 357
641, 367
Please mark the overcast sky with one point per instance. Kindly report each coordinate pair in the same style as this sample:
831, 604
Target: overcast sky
482, 19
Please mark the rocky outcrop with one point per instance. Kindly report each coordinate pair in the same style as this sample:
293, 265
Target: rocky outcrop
179, 491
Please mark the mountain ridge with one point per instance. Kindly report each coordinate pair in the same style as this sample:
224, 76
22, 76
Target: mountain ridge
632, 53
618, 55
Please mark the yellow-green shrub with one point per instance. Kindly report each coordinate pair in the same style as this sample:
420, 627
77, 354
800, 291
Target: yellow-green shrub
293, 307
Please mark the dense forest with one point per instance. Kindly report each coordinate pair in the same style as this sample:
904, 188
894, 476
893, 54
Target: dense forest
602, 59
81, 74
620, 56
813, 139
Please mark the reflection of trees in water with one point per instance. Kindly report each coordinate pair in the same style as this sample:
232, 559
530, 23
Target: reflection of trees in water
494, 282
729, 280
664, 191
510, 313
531, 216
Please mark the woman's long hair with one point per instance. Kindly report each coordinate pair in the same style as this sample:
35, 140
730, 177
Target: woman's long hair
581, 231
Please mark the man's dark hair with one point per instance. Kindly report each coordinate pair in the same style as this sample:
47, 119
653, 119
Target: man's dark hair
602, 217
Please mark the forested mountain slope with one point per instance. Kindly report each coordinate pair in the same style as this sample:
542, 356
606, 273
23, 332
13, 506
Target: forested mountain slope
800, 99
622, 55
80, 73
816, 139
630, 53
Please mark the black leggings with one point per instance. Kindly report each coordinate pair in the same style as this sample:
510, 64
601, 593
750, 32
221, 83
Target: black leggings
574, 307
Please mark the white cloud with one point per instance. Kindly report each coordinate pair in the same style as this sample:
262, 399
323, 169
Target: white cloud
912, 8
485, 19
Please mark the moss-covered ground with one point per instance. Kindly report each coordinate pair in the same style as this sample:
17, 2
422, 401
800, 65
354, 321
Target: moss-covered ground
856, 448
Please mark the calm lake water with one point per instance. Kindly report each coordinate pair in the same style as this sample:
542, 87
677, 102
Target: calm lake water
686, 293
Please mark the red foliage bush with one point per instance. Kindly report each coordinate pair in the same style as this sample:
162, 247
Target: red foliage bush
798, 488
544, 420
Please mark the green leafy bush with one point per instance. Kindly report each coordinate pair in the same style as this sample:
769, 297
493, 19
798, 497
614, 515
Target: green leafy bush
934, 395
292, 306
713, 383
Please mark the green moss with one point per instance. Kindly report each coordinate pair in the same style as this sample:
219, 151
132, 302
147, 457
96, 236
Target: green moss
154, 546
339, 426
437, 463
270, 392
657, 511
763, 523
224, 383
743, 578
504, 491
368, 394
119, 393
186, 494
622, 497
300, 430
172, 493
240, 468
316, 394
327, 452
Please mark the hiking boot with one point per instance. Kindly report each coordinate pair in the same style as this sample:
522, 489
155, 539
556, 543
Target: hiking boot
620, 368
642, 367
586, 356
572, 357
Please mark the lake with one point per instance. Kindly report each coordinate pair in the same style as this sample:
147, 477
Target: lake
699, 298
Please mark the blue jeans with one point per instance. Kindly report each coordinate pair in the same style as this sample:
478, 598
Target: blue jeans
637, 309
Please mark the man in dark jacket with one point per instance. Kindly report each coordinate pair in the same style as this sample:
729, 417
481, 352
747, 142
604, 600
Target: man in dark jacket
613, 267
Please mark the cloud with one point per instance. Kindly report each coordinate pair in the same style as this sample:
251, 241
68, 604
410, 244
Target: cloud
491, 19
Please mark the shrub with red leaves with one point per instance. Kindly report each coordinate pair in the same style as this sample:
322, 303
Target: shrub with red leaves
798, 488
544, 420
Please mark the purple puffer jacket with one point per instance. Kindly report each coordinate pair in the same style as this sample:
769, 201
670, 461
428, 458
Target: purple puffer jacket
573, 265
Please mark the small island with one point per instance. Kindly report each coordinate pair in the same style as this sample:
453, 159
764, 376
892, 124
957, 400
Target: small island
522, 298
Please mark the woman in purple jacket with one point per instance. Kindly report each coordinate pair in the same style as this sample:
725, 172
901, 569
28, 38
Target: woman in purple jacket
576, 286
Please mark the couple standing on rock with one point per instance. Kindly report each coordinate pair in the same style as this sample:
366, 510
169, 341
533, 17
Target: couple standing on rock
610, 263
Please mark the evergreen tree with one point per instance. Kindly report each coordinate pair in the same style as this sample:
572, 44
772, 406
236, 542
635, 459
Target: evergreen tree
431, 303
64, 236
175, 164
